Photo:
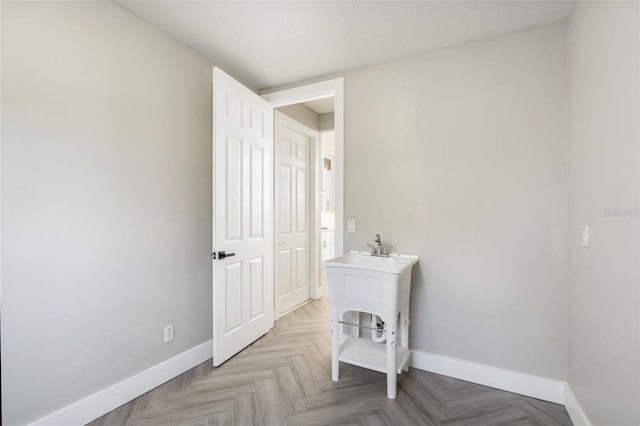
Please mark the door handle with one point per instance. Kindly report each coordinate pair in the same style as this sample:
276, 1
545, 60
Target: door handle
221, 254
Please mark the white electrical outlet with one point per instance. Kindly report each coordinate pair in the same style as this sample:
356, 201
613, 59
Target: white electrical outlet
168, 333
351, 225
585, 236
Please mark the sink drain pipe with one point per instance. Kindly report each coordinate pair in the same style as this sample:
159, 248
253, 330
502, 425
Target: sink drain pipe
377, 333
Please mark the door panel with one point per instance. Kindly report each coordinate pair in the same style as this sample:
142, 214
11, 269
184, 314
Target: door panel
242, 186
302, 214
233, 291
256, 207
285, 265
256, 279
302, 273
233, 190
285, 199
292, 224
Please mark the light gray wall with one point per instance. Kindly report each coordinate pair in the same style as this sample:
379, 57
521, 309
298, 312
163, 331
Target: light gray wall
460, 156
302, 114
604, 323
305, 115
106, 133
326, 121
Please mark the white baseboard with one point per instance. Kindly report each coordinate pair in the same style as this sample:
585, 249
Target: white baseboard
577, 414
100, 403
512, 381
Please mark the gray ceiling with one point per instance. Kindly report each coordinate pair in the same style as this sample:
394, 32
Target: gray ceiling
266, 44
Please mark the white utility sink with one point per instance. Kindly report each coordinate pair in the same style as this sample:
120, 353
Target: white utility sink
360, 282
393, 263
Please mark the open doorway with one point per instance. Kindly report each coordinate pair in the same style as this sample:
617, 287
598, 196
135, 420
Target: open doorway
303, 200
295, 215
318, 107
242, 207
327, 207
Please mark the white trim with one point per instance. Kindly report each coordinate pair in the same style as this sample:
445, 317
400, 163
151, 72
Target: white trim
306, 93
100, 403
324, 89
512, 381
576, 413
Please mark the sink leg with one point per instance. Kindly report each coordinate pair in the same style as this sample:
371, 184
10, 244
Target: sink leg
392, 377
404, 327
335, 348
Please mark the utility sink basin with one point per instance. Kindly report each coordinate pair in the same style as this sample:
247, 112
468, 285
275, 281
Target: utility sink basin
359, 282
393, 263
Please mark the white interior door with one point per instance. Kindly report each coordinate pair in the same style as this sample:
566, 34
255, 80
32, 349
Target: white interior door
242, 158
293, 154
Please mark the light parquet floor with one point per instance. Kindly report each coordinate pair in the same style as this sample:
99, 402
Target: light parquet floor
284, 378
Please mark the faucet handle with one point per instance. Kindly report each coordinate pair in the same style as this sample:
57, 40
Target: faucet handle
388, 248
373, 249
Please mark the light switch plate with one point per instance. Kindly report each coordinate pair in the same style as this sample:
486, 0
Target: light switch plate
585, 236
351, 225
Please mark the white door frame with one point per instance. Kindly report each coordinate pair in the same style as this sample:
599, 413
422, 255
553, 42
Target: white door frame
310, 92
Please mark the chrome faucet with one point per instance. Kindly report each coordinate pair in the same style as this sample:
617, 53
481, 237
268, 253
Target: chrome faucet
378, 244
377, 249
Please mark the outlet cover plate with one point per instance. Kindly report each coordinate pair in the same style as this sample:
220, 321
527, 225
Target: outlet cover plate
168, 333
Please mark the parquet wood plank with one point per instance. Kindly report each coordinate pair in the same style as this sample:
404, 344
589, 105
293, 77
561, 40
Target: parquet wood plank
303, 376
224, 418
245, 410
177, 411
330, 415
373, 420
268, 402
289, 391
503, 416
